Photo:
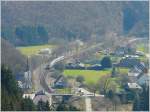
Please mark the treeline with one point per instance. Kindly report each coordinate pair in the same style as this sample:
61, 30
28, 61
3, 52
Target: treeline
27, 35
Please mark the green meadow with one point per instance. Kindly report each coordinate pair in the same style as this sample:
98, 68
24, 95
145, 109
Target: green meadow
32, 50
142, 47
91, 76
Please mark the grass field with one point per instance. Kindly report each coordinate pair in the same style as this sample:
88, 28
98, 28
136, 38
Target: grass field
31, 50
63, 91
142, 47
91, 76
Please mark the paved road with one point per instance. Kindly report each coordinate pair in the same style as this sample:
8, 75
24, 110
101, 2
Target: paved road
88, 104
87, 93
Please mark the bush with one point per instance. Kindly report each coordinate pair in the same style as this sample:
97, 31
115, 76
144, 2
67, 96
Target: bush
106, 62
80, 79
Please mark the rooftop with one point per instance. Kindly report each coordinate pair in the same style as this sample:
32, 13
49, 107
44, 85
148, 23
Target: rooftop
31, 96
134, 86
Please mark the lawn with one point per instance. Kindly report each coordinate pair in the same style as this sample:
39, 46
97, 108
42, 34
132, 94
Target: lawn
90, 76
142, 47
31, 50
63, 91
123, 70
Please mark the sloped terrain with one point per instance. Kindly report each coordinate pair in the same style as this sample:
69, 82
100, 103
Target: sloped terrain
26, 23
12, 58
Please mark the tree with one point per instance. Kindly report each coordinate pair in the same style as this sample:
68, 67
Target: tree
115, 101
66, 107
43, 34
27, 105
94, 87
11, 94
47, 106
141, 101
110, 94
43, 106
106, 62
113, 73
102, 83
59, 66
123, 79
80, 79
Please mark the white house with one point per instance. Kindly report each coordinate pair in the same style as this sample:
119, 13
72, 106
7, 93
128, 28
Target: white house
45, 51
134, 86
31, 96
144, 79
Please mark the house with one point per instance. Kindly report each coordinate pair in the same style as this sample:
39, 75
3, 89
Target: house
76, 65
128, 62
60, 83
122, 50
95, 67
42, 96
45, 51
133, 86
31, 96
139, 53
38, 98
133, 74
144, 79
141, 67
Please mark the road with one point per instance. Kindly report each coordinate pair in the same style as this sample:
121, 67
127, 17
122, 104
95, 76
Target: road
88, 104
87, 93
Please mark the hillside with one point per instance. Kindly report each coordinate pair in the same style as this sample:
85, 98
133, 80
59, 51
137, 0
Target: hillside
12, 57
26, 23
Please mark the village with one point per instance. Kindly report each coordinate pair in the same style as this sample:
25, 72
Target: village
128, 69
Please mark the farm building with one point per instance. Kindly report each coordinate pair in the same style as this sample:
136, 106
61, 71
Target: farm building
45, 51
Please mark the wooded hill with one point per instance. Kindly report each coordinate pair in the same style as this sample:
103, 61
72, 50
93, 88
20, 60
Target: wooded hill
26, 23
12, 58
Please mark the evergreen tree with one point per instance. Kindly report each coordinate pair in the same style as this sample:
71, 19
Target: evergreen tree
11, 94
27, 105
43, 106
106, 62
47, 106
